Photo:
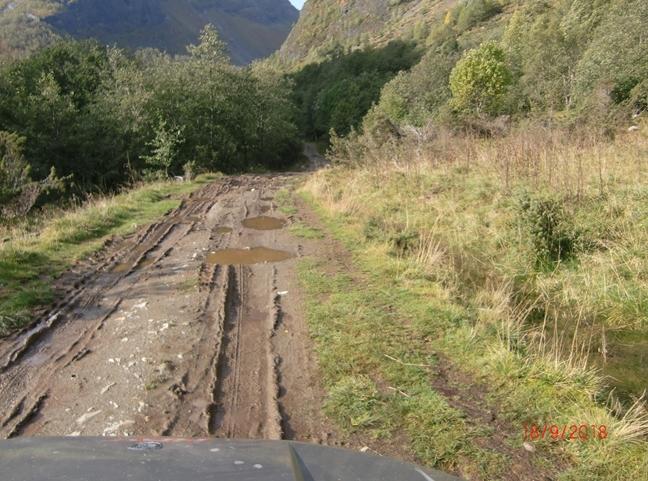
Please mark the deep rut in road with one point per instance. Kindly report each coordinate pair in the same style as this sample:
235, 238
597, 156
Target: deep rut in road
159, 335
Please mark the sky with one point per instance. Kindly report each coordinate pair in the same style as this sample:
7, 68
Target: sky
297, 3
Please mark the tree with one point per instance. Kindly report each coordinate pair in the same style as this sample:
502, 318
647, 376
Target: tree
164, 149
18, 193
211, 47
416, 96
14, 171
472, 12
50, 99
480, 80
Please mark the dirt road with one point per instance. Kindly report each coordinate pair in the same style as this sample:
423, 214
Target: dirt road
184, 329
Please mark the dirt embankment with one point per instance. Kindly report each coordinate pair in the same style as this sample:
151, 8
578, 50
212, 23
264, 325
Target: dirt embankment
182, 330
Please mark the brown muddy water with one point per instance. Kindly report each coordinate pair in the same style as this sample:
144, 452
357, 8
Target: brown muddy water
126, 266
256, 255
619, 355
625, 363
264, 223
224, 230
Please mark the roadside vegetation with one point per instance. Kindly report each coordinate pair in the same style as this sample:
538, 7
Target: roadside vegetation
336, 94
520, 262
494, 198
35, 251
494, 201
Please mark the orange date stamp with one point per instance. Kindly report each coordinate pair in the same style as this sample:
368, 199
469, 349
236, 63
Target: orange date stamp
581, 432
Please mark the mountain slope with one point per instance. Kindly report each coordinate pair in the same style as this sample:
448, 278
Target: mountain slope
252, 28
353, 23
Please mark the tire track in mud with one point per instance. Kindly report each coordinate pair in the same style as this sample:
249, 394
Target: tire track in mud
247, 385
56, 340
156, 339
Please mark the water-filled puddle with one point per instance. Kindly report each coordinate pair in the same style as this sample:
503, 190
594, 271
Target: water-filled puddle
224, 230
264, 223
256, 255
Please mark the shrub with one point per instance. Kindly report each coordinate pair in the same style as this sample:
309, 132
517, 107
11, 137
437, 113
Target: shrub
551, 228
164, 149
416, 96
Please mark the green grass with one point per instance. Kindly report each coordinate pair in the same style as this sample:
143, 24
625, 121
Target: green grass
377, 371
305, 231
445, 260
36, 254
284, 202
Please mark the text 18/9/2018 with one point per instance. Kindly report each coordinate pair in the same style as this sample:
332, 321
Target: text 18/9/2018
565, 432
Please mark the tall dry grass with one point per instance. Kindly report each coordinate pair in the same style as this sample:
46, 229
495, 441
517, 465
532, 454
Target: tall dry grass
571, 162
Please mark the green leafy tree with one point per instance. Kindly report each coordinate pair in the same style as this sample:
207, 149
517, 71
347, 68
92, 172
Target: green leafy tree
338, 93
480, 80
416, 96
14, 170
50, 99
164, 149
472, 12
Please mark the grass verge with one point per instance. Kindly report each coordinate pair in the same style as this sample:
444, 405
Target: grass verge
454, 270
35, 253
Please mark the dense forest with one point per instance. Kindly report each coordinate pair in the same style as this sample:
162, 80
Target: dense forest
85, 117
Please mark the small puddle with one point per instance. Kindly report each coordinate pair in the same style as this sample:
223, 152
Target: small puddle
264, 223
126, 266
257, 255
224, 230
121, 268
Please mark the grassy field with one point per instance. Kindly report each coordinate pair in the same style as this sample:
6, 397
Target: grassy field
35, 252
521, 262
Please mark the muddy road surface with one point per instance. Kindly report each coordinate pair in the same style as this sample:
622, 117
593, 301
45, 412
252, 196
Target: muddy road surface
191, 327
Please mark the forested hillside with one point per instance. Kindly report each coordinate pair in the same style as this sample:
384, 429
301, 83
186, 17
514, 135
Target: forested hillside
325, 25
566, 60
251, 28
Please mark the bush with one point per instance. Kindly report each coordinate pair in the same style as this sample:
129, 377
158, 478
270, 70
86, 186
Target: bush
338, 93
551, 228
164, 150
617, 59
416, 96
